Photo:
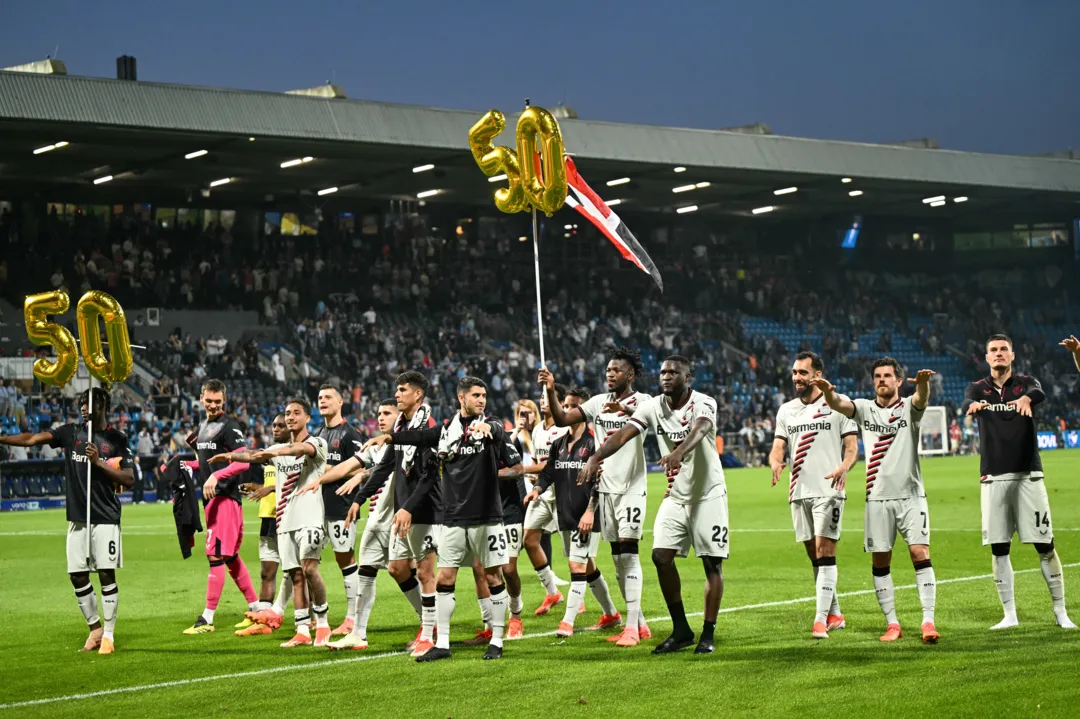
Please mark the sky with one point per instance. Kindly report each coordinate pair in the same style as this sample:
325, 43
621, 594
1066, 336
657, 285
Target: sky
1000, 76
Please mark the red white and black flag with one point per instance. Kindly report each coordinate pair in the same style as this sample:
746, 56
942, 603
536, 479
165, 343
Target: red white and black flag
583, 199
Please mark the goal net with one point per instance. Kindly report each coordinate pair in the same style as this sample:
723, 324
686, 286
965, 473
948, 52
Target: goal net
934, 432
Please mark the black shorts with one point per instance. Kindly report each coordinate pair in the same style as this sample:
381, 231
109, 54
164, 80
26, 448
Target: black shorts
268, 527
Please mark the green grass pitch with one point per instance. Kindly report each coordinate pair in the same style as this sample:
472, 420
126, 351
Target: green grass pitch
766, 663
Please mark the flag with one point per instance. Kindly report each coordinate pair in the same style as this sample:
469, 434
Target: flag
583, 199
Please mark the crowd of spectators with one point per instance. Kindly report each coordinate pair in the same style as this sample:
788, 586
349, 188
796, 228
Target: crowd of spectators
356, 309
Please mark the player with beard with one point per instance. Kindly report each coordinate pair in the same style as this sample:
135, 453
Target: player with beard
694, 512
623, 482
216, 435
342, 442
812, 438
272, 606
895, 498
108, 460
1014, 498
470, 448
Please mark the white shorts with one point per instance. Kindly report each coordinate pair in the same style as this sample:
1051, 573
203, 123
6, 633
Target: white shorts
817, 517
268, 551
1018, 505
342, 538
106, 551
622, 516
375, 545
886, 517
703, 526
515, 535
423, 540
459, 545
300, 544
578, 551
542, 514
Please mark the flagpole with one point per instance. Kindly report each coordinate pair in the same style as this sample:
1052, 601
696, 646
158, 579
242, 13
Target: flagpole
539, 304
89, 466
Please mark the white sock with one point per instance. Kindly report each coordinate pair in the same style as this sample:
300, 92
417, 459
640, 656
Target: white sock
87, 599
365, 600
599, 587
574, 599
413, 595
498, 614
1051, 571
516, 606
303, 622
208, 615
320, 611
262, 606
485, 611
927, 584
352, 586
826, 590
547, 578
1003, 578
632, 581
110, 599
281, 599
886, 597
834, 608
427, 619
444, 609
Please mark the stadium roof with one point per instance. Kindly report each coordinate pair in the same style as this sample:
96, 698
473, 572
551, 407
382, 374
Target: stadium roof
139, 133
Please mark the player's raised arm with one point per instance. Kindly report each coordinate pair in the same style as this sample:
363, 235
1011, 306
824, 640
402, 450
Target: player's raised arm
844, 406
1073, 345
922, 389
27, 439
610, 446
561, 417
428, 437
777, 457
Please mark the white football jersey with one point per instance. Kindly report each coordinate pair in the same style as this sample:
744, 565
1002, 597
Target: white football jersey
542, 439
381, 504
300, 512
624, 471
700, 476
815, 445
891, 442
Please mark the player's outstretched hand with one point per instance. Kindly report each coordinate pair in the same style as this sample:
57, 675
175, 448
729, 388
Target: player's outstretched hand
671, 462
1071, 343
544, 378
588, 472
616, 408
482, 429
308, 488
976, 407
531, 497
258, 492
352, 514
923, 375
355, 481
375, 442
838, 477
822, 384
1022, 405
777, 470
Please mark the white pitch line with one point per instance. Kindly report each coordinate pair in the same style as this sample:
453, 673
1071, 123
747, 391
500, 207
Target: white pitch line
384, 655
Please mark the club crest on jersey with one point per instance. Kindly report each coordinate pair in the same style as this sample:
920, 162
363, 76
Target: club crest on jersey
583, 452
335, 443
104, 448
1016, 391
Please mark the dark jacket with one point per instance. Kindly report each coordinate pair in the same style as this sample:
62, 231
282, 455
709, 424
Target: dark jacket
186, 511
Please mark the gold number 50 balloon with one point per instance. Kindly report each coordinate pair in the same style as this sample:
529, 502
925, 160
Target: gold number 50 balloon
536, 173
93, 306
